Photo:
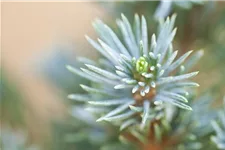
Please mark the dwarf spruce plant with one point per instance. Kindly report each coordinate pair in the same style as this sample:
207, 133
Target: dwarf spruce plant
141, 85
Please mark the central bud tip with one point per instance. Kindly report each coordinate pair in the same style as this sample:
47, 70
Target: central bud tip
141, 65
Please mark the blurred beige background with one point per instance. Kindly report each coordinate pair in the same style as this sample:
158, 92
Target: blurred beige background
28, 30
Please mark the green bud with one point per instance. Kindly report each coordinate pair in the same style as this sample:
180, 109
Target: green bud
141, 65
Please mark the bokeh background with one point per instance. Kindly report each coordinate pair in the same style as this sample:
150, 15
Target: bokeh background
39, 38
30, 33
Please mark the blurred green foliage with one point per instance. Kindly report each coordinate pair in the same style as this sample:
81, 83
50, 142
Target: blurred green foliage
83, 134
14, 135
11, 103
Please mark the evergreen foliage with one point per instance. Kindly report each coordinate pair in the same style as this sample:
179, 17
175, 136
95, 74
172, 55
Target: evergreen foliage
139, 72
144, 89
